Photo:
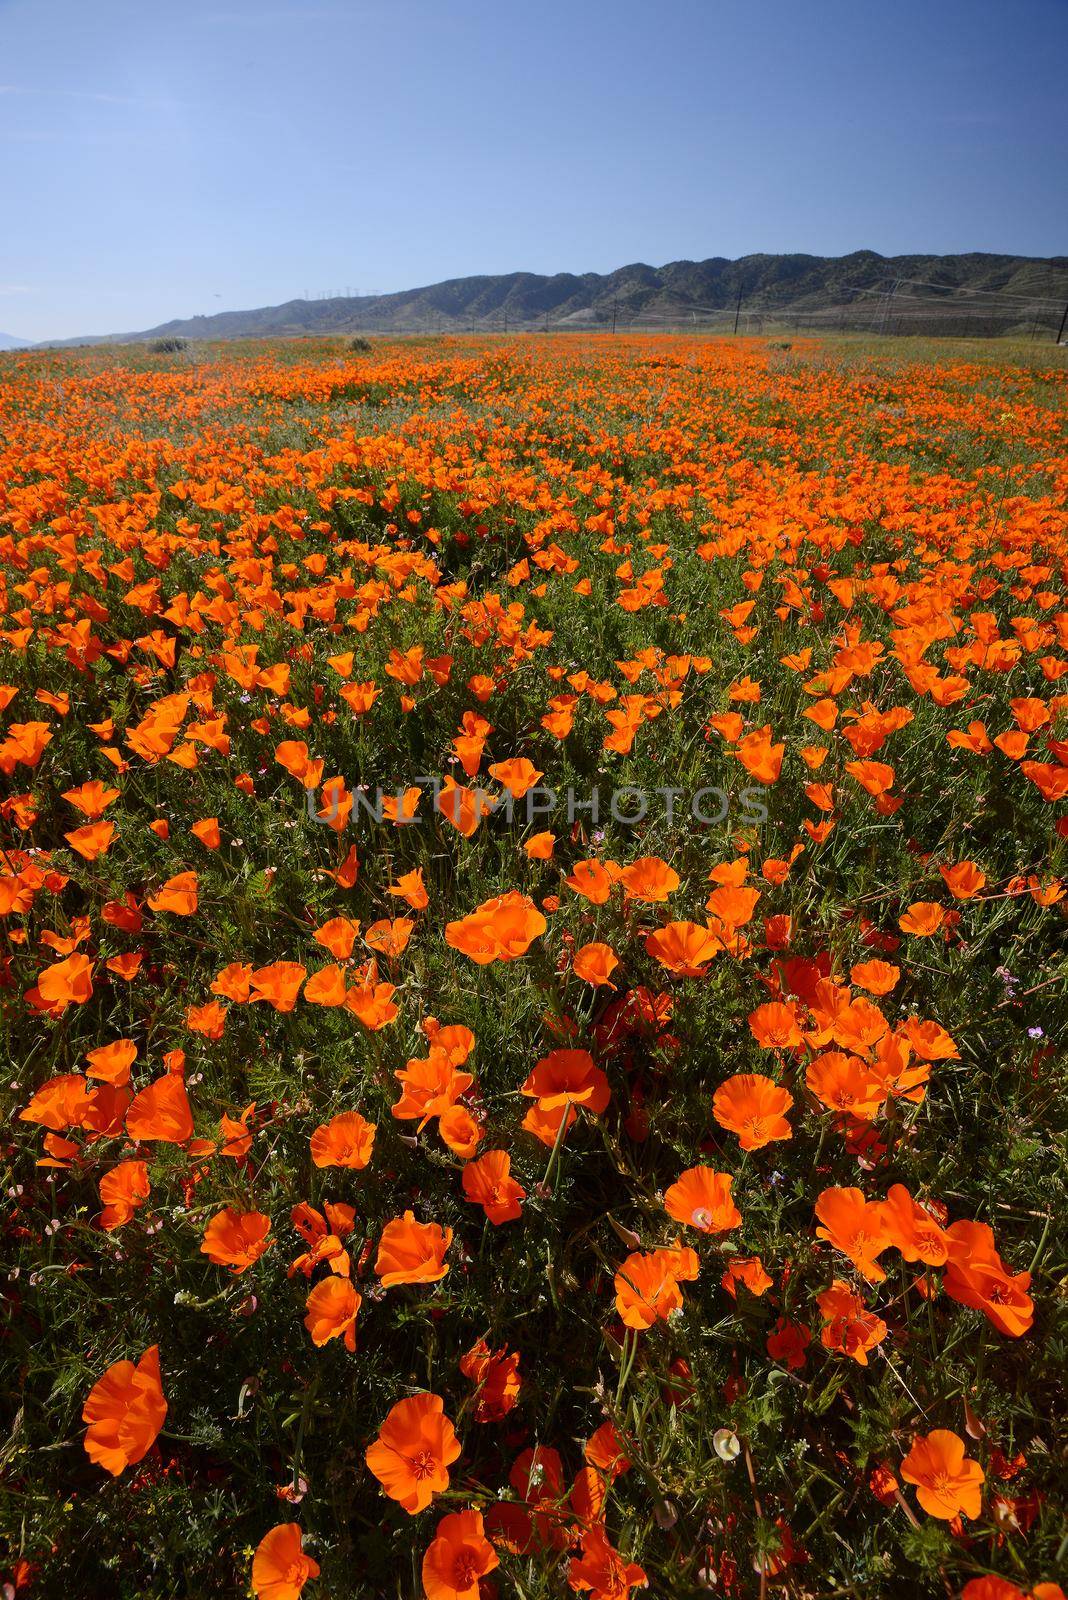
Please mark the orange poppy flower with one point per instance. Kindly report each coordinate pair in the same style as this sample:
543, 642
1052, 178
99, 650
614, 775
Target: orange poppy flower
948, 1484
236, 1239
848, 1326
647, 1285
976, 1276
842, 1083
878, 977
277, 984
568, 1078
922, 919
410, 888
594, 964
747, 1270
855, 1226
464, 808
517, 776
684, 948
179, 895
327, 987
701, 1198
125, 1411
338, 936
590, 880
963, 881
649, 880
63, 1102
489, 1184
347, 1140
91, 799
122, 1191
913, 1231
112, 1062
412, 1252
160, 1113
754, 1107
235, 1135
207, 831
430, 1085
460, 1131
389, 937
496, 1374
601, 1569
93, 840
760, 757
732, 904
280, 1568
458, 1556
774, 1026
68, 982
332, 1308
415, 1447
502, 929
540, 846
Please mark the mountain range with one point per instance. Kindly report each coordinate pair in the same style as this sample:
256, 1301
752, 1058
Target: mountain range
973, 293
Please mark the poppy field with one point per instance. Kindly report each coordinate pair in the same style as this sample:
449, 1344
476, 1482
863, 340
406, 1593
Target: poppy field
534, 887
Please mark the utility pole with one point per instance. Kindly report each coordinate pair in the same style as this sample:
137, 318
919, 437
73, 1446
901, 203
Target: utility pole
737, 310
1060, 330
613, 313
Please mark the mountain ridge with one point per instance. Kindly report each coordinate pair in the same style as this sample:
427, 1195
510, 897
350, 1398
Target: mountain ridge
978, 286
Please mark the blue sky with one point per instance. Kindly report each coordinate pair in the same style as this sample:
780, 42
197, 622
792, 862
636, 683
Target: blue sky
161, 159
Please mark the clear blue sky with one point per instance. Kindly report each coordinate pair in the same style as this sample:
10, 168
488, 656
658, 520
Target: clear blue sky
160, 159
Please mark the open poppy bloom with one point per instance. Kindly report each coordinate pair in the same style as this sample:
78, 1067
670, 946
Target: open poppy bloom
112, 1062
649, 880
647, 1285
412, 1252
459, 1555
754, 1107
591, 880
774, 1026
415, 1447
122, 1191
160, 1113
502, 929
684, 948
125, 1411
947, 1483
701, 1198
848, 1326
489, 1184
976, 1276
594, 964
332, 1308
430, 1086
855, 1226
178, 895
748, 1271
66, 983
568, 1078
601, 1569
236, 1239
347, 1140
280, 1568
496, 1374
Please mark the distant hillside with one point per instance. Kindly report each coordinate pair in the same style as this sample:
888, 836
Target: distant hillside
971, 294
9, 342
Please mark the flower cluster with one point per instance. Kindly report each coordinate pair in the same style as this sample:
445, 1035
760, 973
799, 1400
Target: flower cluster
505, 1206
